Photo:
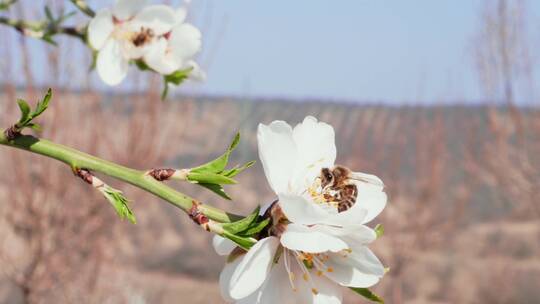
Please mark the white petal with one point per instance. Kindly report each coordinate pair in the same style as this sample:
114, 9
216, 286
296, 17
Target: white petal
353, 235
308, 239
370, 198
111, 65
301, 211
360, 268
316, 148
223, 246
328, 291
126, 9
157, 58
353, 216
277, 152
277, 288
370, 179
251, 299
160, 18
225, 278
196, 73
185, 41
181, 14
100, 28
254, 268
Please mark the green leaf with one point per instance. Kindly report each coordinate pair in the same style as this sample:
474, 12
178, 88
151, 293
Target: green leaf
43, 104
243, 242
66, 16
48, 14
25, 111
237, 170
243, 224
142, 65
178, 77
256, 228
175, 78
379, 230
27, 116
120, 203
209, 178
368, 294
49, 39
218, 165
34, 126
217, 189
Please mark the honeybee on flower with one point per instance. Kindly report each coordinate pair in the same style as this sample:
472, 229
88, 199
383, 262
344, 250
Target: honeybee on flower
317, 238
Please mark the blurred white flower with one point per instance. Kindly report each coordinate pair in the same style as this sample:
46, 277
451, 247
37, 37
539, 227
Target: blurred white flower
175, 51
317, 236
133, 30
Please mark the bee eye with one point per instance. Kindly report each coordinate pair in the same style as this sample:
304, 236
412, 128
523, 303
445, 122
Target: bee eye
328, 176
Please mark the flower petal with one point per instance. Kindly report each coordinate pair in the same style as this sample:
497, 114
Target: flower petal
277, 288
309, 239
111, 65
327, 291
223, 246
316, 149
100, 28
353, 235
301, 211
225, 278
361, 268
371, 198
185, 41
196, 73
160, 18
157, 58
181, 14
353, 216
254, 268
277, 152
126, 9
370, 179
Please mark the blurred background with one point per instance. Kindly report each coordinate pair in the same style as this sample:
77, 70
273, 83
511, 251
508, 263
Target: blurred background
437, 98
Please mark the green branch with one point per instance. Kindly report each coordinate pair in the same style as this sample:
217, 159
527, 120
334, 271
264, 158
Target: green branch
77, 159
42, 29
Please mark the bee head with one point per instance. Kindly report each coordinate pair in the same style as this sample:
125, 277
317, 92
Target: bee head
326, 177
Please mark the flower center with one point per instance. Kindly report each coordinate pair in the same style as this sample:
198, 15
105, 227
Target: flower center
136, 38
143, 37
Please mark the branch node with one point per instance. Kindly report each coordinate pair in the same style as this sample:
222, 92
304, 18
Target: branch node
84, 174
12, 132
161, 174
196, 215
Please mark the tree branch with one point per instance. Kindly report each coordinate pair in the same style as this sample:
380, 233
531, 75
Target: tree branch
77, 159
43, 29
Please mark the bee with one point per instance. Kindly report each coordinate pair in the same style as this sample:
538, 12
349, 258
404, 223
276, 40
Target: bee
144, 36
338, 184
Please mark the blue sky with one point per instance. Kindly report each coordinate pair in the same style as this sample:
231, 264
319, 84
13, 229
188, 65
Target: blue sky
362, 50
413, 51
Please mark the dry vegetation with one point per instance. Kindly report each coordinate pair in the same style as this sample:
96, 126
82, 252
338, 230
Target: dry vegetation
462, 224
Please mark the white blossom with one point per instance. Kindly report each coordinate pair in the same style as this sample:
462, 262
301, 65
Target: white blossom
314, 246
132, 30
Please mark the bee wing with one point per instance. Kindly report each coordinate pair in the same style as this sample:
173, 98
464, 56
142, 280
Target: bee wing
367, 178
